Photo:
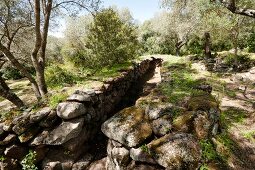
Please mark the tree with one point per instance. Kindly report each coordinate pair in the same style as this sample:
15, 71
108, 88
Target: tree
231, 5
110, 40
5, 91
18, 15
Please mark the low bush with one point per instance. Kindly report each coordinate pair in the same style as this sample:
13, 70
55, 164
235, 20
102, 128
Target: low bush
58, 77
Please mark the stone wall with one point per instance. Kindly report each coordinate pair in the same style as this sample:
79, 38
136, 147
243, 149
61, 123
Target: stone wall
60, 136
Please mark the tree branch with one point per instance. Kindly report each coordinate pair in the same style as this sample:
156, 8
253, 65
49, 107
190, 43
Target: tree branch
231, 6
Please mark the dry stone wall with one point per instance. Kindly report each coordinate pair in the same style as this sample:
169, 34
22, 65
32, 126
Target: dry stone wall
60, 136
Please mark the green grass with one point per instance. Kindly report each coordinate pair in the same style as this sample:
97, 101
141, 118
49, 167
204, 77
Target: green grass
208, 151
55, 99
180, 83
231, 116
250, 136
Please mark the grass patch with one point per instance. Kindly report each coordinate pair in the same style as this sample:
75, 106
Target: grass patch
180, 83
250, 136
208, 151
232, 115
55, 99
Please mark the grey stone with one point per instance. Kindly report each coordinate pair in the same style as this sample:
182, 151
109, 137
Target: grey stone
98, 165
141, 155
8, 139
130, 127
69, 110
176, 151
9, 164
36, 117
52, 166
162, 126
50, 120
79, 98
157, 111
64, 132
83, 163
39, 139
29, 134
1, 129
15, 151
138, 166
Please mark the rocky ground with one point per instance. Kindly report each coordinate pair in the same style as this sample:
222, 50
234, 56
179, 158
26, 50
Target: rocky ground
185, 118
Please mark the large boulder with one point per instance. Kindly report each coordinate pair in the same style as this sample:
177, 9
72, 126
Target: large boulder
176, 151
130, 127
70, 110
64, 132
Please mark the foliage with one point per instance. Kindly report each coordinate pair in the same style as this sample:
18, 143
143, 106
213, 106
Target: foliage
231, 116
110, 41
55, 99
195, 46
145, 148
57, 76
251, 43
208, 151
2, 158
28, 161
11, 72
238, 60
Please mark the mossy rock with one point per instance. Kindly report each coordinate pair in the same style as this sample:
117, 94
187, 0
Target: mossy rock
203, 102
183, 122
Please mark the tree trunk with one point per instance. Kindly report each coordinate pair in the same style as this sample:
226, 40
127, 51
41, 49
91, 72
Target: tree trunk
207, 47
41, 77
178, 47
21, 68
6, 93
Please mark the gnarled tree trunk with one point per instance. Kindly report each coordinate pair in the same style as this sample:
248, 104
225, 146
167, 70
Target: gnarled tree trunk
6, 93
207, 46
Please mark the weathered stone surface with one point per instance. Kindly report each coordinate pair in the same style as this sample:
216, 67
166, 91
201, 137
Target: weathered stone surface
39, 139
162, 126
49, 120
77, 142
64, 132
98, 165
183, 121
8, 139
203, 102
202, 125
29, 134
157, 111
21, 124
83, 163
36, 117
117, 155
141, 155
40, 153
139, 166
16, 152
52, 166
9, 164
1, 129
176, 151
129, 127
69, 110
7, 127
79, 98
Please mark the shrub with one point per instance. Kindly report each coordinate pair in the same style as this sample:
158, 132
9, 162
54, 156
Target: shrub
28, 162
195, 46
110, 41
57, 77
12, 73
242, 62
251, 43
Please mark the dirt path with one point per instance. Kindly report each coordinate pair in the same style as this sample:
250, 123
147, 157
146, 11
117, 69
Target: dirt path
238, 105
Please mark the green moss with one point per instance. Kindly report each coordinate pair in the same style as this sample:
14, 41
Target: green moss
203, 167
145, 148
